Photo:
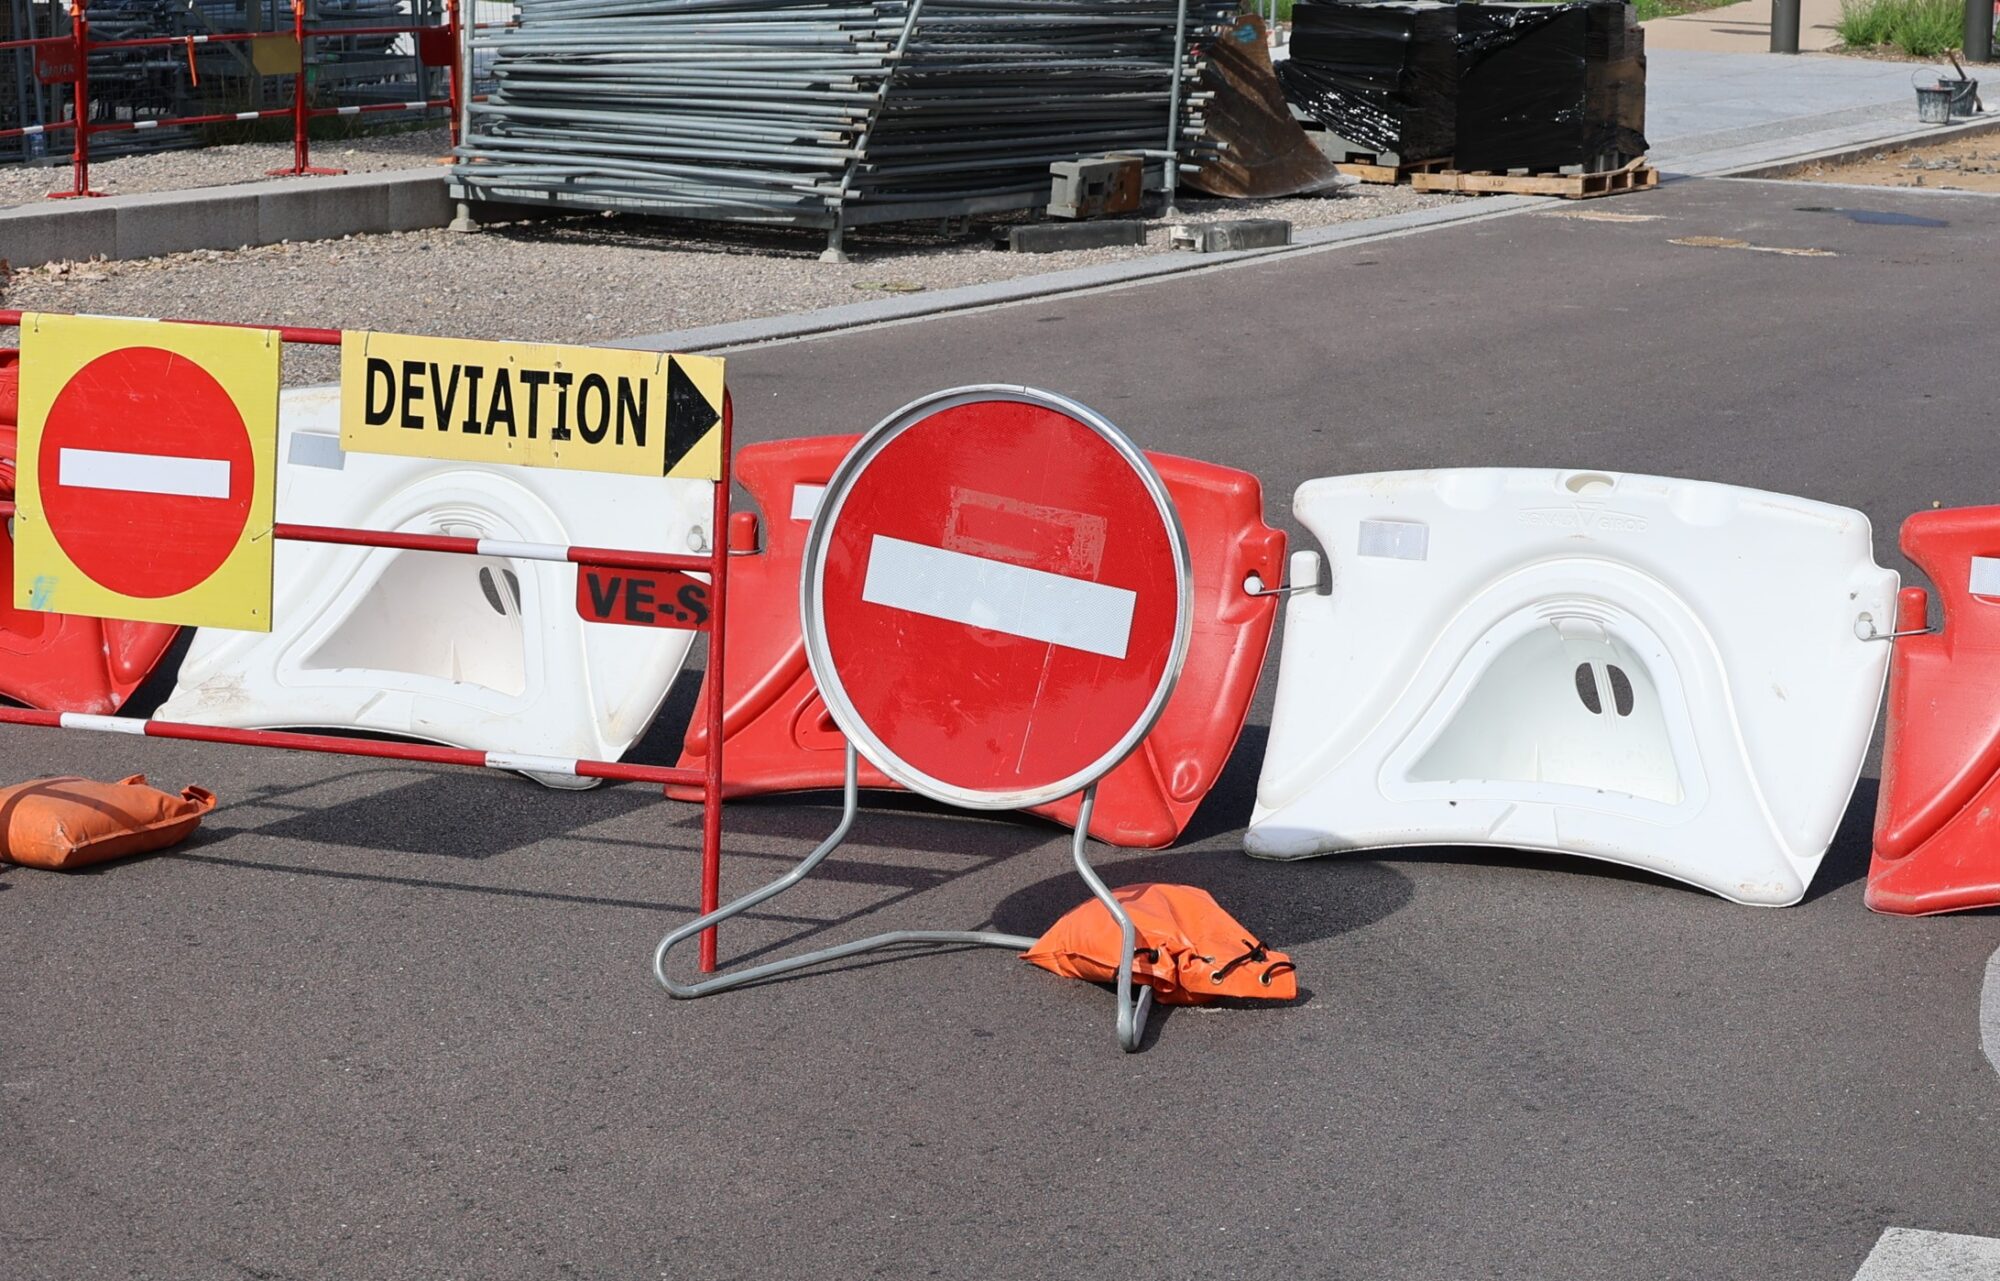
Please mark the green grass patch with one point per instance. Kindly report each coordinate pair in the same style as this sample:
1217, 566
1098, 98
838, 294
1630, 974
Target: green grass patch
1647, 10
1917, 28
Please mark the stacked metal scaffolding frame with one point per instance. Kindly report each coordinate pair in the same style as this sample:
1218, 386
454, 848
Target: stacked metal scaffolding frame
826, 113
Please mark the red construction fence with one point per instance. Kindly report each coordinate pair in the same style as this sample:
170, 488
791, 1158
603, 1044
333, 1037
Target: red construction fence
64, 62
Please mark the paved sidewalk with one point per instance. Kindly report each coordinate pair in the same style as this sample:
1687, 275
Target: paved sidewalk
1710, 113
1742, 28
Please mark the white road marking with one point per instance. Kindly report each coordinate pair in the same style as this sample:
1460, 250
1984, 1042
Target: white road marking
1910, 1254
1001, 597
143, 473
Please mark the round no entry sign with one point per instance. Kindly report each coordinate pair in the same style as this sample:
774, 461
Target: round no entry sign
150, 507
145, 488
996, 598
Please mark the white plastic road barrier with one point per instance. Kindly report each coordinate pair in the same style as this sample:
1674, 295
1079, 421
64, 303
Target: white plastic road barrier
481, 652
1668, 674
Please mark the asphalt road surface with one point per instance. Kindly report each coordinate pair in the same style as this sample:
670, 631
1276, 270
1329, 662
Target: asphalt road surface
395, 1022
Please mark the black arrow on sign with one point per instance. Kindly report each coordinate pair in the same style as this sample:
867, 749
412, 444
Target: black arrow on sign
689, 415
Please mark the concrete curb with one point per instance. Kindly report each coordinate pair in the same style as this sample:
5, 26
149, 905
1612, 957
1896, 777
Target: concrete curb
251, 213
765, 330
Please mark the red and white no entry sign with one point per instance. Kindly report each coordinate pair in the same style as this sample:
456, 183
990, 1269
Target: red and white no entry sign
146, 508
996, 598
147, 455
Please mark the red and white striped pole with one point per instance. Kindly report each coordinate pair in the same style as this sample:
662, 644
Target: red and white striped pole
335, 745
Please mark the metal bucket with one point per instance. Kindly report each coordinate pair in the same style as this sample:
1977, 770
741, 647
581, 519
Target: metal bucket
1934, 103
1964, 97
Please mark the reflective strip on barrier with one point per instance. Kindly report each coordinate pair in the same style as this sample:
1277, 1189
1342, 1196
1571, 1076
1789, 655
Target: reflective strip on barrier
101, 724
531, 764
523, 551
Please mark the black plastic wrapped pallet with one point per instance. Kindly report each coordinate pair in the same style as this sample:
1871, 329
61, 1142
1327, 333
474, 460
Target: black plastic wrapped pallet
1381, 76
1550, 86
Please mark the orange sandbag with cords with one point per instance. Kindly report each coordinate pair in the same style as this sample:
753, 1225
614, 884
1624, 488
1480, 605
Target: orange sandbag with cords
1190, 951
67, 823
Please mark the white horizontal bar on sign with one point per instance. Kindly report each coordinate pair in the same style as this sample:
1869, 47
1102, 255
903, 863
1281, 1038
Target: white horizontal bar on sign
1001, 597
143, 473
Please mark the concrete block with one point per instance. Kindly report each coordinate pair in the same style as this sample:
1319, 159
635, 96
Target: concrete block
417, 201
1233, 234
177, 221
1055, 237
58, 231
300, 209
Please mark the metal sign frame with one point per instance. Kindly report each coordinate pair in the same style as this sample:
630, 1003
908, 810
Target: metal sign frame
1131, 1012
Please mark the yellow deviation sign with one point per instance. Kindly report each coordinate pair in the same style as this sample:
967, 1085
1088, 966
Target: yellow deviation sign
638, 413
145, 482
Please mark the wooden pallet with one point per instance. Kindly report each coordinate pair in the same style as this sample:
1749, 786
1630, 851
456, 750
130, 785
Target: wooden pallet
1636, 176
1363, 166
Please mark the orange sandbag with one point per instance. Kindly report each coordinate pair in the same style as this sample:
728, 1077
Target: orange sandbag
64, 823
1190, 951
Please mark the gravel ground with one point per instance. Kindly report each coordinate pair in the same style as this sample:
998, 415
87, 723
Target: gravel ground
225, 166
585, 279
1969, 163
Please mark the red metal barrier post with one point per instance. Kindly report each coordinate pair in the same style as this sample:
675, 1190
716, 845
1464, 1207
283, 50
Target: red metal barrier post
715, 430
79, 100
301, 112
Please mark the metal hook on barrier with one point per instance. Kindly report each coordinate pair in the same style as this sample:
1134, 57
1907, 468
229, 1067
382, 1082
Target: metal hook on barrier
1253, 585
1132, 1013
1872, 635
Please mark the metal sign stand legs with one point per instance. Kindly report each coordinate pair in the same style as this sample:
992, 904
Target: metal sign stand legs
1131, 1013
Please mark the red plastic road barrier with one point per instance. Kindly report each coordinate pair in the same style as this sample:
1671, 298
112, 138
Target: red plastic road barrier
781, 737
703, 784
63, 662
1937, 821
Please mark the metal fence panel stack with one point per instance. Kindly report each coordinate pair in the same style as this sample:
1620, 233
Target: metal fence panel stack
821, 112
